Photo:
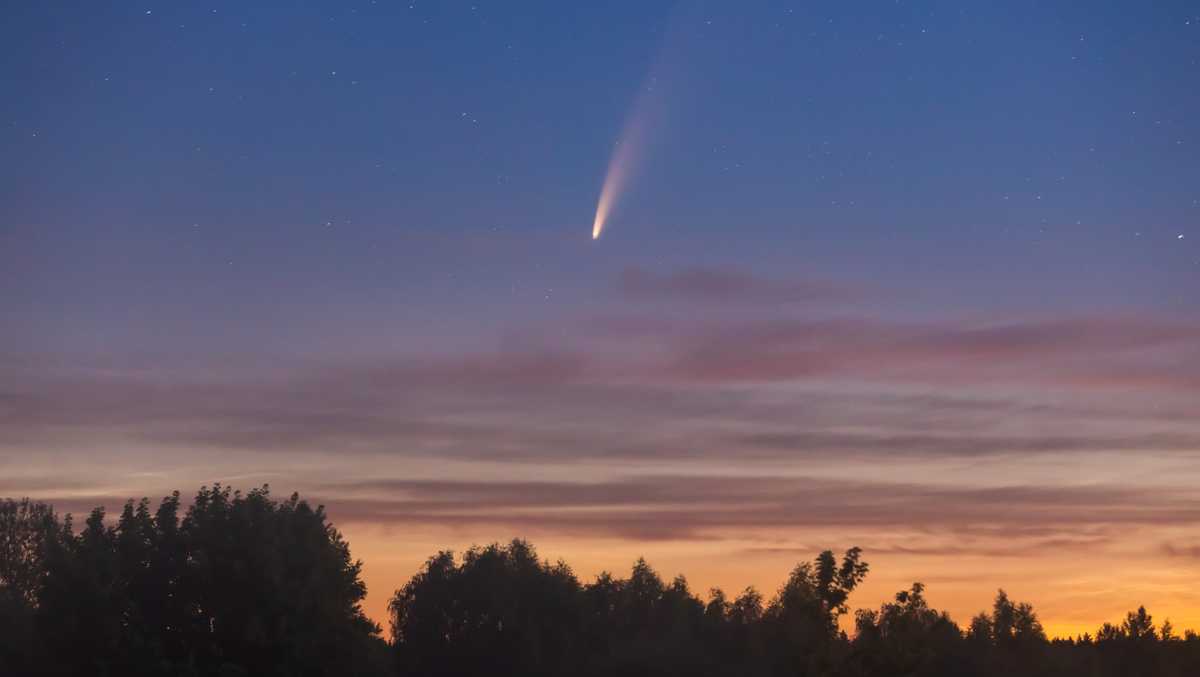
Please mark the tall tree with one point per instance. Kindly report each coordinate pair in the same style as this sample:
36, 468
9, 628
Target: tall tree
243, 584
501, 611
802, 619
907, 637
27, 530
274, 586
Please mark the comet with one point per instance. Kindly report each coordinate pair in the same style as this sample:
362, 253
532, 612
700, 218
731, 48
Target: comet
648, 110
624, 161
619, 168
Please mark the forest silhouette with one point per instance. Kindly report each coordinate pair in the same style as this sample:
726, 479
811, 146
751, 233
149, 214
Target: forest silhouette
245, 584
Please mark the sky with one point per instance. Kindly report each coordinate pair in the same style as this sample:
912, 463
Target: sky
919, 277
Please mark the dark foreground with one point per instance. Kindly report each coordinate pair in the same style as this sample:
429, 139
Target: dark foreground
242, 584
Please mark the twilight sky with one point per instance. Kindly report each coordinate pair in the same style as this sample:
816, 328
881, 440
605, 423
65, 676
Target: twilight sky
915, 276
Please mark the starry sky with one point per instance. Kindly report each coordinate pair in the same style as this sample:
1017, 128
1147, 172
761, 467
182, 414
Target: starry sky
915, 276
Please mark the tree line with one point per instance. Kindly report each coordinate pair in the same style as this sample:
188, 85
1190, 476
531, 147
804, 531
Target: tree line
245, 584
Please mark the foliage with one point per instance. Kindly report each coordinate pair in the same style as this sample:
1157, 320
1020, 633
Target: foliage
243, 584
26, 531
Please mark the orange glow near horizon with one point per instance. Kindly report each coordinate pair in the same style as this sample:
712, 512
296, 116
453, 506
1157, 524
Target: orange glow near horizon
714, 451
1068, 602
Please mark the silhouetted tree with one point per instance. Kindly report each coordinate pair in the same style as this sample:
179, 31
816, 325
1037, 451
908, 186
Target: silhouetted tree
1167, 631
733, 634
1139, 626
1133, 648
979, 633
27, 530
82, 603
907, 637
275, 587
501, 611
646, 627
801, 622
1011, 640
243, 584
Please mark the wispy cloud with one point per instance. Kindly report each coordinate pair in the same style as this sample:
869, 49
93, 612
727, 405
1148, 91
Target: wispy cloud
756, 388
1182, 551
1081, 352
742, 413
684, 507
1023, 547
1003, 521
718, 285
